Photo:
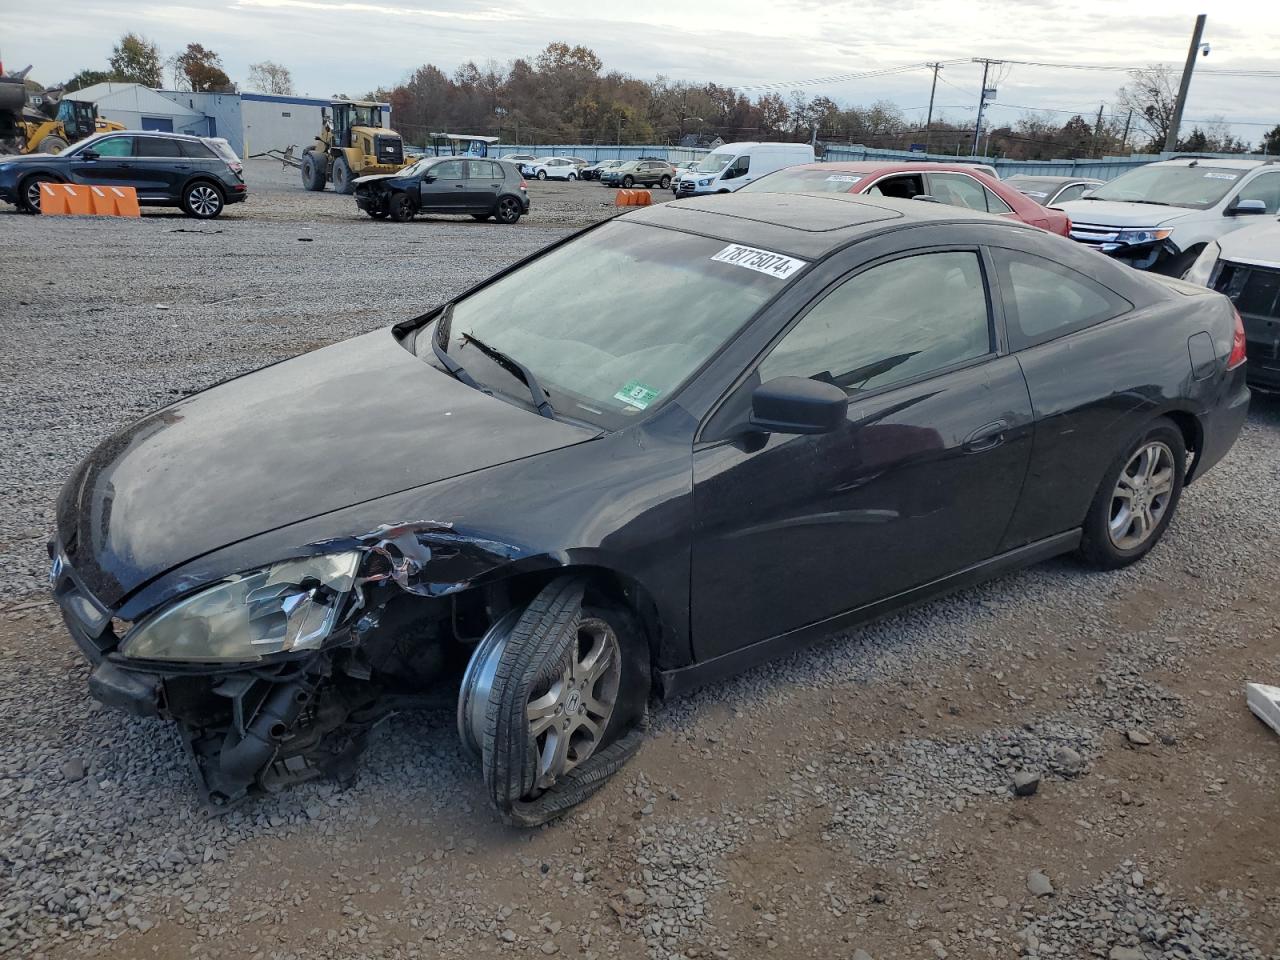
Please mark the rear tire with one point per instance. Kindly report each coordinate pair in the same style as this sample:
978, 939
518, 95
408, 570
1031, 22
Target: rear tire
342, 176
29, 193
202, 200
665, 182
313, 170
509, 210
562, 707
400, 207
628, 181
542, 174
1137, 498
51, 144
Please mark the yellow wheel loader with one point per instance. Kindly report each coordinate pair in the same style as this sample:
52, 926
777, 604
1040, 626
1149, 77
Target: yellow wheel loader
24, 129
353, 143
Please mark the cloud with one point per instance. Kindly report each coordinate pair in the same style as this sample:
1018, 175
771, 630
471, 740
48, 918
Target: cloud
359, 45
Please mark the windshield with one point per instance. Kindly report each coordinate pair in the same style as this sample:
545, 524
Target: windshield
713, 162
1176, 186
797, 180
611, 323
222, 148
417, 167
81, 144
366, 117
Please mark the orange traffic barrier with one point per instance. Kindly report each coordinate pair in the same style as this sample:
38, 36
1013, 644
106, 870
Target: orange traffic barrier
69, 199
633, 198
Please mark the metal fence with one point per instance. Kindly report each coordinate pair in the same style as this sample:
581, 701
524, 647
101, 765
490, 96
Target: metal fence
1105, 168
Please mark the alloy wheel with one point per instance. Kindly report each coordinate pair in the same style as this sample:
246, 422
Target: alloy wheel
204, 200
1141, 496
33, 195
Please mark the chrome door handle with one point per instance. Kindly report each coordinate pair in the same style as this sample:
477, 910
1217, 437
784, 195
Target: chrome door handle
986, 437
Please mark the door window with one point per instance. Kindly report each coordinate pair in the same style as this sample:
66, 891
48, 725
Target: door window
158, 147
1265, 187
449, 170
483, 170
1043, 299
739, 168
198, 151
113, 147
894, 322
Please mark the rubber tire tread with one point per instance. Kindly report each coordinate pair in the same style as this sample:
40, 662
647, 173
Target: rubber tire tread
536, 650
1096, 548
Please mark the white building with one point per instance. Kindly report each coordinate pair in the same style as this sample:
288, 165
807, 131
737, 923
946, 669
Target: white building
141, 108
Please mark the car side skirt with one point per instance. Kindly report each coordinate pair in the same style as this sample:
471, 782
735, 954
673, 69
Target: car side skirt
683, 680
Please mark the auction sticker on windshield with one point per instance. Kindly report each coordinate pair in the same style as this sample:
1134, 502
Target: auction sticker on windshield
636, 394
843, 178
1221, 176
761, 261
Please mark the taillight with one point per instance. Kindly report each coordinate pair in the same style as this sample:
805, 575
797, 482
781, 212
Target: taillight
1067, 231
523, 185
1237, 345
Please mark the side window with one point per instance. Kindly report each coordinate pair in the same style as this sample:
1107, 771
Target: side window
114, 147
196, 151
157, 147
905, 186
1264, 187
893, 322
995, 204
1044, 300
449, 170
739, 168
958, 190
482, 170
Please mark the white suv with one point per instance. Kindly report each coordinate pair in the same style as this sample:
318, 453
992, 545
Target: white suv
1161, 216
550, 168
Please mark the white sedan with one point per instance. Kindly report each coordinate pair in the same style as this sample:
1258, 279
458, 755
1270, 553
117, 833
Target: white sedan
550, 168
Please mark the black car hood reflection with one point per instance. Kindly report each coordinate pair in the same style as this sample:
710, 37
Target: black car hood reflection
352, 422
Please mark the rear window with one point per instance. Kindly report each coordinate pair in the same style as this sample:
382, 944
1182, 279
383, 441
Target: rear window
222, 149
195, 150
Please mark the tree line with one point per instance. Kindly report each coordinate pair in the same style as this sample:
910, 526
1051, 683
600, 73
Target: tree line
564, 94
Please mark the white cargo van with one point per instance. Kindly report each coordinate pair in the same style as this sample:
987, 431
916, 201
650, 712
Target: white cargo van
733, 165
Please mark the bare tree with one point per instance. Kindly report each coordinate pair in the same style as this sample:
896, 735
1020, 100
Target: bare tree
269, 77
1150, 94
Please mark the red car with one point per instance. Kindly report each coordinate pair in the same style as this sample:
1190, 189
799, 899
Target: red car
956, 184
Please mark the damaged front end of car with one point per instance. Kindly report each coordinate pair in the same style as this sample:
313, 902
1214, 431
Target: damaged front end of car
275, 676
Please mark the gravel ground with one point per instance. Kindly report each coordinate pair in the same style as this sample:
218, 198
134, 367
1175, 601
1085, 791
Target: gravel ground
857, 799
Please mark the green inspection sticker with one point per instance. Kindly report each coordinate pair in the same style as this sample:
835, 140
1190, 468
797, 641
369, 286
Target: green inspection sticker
636, 394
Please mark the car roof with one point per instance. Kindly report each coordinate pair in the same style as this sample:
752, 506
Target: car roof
807, 225
880, 166
1050, 178
1214, 162
152, 133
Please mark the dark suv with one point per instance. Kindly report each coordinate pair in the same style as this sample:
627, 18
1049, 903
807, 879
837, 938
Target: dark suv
199, 174
482, 188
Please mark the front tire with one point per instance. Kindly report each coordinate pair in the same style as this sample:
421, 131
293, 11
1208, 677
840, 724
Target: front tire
342, 176
1137, 498
554, 702
542, 174
313, 170
51, 144
628, 182
202, 200
401, 208
665, 182
572, 177
29, 193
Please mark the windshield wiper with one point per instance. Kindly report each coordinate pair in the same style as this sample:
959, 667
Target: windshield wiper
450, 364
518, 369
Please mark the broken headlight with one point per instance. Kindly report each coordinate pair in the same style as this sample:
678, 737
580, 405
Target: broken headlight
288, 606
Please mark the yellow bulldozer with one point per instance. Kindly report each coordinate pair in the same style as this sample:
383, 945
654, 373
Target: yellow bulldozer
58, 121
353, 143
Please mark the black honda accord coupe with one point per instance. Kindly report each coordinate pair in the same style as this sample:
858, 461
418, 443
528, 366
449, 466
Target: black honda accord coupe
656, 453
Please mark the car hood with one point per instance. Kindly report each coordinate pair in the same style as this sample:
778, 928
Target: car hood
351, 422
25, 158
376, 176
1117, 213
1257, 244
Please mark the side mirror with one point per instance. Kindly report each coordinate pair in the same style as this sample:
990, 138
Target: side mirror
798, 405
1245, 208
89, 154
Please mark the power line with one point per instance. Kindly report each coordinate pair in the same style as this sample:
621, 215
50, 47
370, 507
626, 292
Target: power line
1118, 68
843, 77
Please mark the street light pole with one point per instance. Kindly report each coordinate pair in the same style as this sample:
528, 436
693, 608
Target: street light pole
982, 103
1171, 138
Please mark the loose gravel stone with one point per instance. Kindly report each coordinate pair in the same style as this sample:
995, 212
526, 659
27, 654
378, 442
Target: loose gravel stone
1038, 884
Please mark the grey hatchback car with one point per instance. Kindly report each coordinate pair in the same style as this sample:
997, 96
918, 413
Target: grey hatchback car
482, 188
199, 174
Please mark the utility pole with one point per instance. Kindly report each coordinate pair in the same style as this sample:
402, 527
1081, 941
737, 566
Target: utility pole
982, 101
1097, 130
1171, 138
1124, 139
932, 90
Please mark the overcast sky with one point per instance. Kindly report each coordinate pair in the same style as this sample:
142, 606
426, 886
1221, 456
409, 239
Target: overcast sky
353, 46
